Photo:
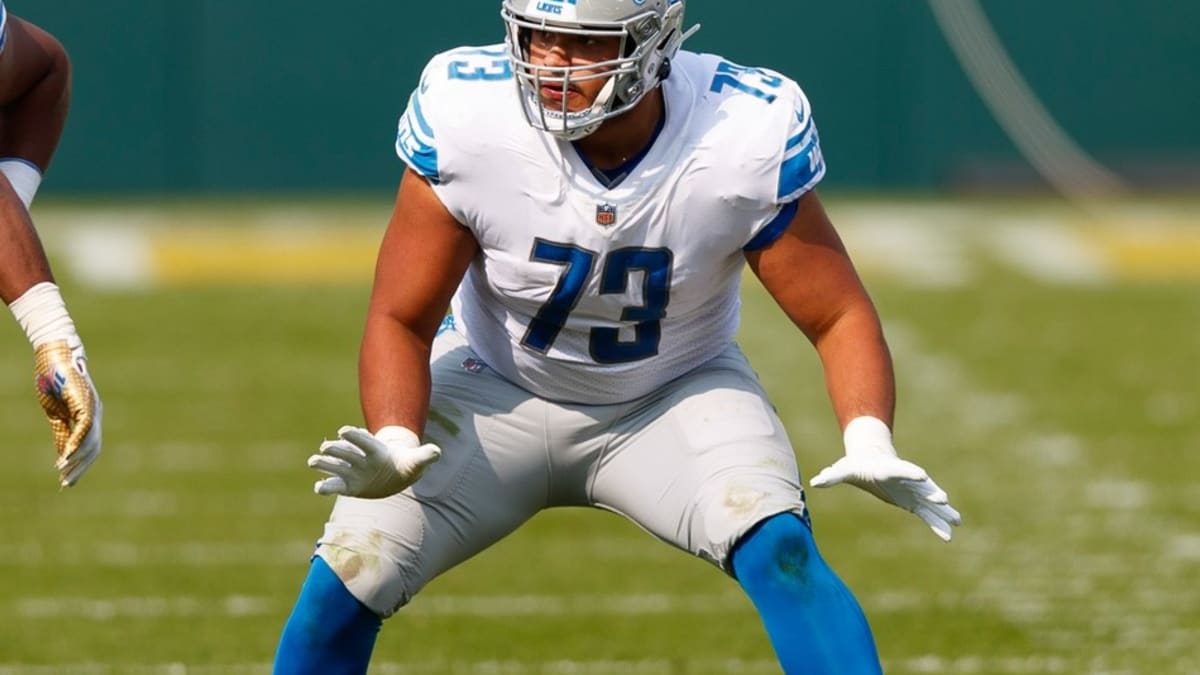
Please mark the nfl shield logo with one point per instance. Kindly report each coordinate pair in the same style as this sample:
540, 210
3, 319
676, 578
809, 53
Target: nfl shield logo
606, 214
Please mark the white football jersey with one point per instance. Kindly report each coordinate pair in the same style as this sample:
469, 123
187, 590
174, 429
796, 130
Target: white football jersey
595, 294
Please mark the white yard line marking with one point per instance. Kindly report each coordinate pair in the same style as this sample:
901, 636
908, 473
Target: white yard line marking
485, 667
1031, 664
909, 248
161, 607
110, 255
1048, 252
141, 554
43, 553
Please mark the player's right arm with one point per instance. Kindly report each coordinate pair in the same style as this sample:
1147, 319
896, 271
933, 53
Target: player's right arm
35, 84
422, 259
424, 254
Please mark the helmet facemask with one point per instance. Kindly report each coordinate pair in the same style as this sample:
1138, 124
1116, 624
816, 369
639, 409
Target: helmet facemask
647, 41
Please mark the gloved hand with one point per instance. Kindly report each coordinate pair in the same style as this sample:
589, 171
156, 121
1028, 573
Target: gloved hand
871, 464
371, 466
69, 398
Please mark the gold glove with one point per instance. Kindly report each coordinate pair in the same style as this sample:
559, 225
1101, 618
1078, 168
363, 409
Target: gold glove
72, 406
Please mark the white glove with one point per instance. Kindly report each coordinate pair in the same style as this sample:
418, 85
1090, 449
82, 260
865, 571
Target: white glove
69, 399
871, 464
360, 464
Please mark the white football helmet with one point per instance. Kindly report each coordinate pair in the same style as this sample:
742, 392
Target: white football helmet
651, 32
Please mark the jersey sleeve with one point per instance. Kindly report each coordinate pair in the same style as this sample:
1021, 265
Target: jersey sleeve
442, 123
801, 166
416, 138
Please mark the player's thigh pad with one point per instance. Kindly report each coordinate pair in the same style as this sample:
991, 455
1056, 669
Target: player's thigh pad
701, 462
485, 485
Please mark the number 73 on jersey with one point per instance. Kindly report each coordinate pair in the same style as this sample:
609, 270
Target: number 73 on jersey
604, 343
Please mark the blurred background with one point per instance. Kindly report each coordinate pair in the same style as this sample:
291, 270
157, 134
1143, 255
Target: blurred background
1019, 183
220, 95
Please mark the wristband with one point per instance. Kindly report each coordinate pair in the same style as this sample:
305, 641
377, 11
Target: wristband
43, 315
24, 176
867, 432
398, 434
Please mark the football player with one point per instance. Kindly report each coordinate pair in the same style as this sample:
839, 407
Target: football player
584, 197
35, 87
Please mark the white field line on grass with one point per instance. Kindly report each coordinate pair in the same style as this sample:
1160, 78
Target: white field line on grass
1031, 664
57, 608
125, 554
911, 248
491, 667
1048, 253
475, 606
110, 255
167, 503
1019, 604
44, 554
190, 457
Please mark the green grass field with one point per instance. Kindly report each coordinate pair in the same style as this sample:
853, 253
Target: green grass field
1062, 415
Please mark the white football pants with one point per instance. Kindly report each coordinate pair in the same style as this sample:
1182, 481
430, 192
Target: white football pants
696, 464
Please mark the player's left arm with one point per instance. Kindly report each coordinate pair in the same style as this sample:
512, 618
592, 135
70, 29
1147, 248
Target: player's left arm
35, 86
808, 272
810, 275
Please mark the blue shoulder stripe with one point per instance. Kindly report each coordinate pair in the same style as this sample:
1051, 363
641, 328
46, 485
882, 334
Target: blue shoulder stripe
803, 166
414, 103
423, 160
415, 141
799, 137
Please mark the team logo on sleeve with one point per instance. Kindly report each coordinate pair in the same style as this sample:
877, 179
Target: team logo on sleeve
606, 215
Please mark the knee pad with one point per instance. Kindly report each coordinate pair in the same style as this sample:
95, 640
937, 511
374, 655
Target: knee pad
367, 569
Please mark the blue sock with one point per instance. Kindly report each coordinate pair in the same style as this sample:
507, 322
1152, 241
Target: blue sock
814, 622
329, 632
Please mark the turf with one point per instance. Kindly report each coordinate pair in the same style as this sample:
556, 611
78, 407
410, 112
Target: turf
1064, 420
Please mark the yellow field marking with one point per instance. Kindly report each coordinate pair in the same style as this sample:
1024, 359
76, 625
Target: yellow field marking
1157, 251
213, 255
